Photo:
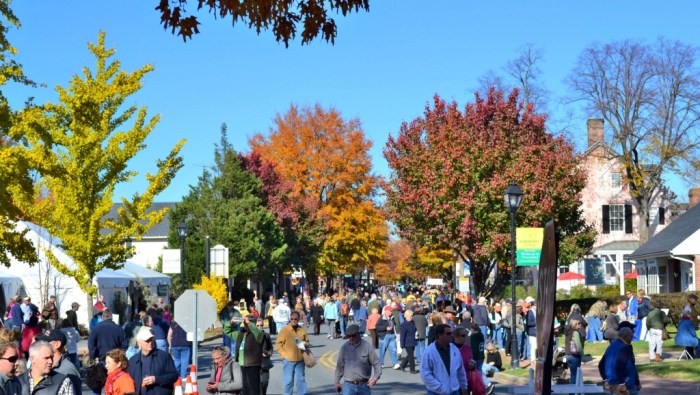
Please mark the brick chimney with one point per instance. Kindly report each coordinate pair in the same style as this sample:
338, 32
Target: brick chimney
693, 197
595, 131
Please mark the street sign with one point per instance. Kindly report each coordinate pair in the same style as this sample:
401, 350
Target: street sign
195, 311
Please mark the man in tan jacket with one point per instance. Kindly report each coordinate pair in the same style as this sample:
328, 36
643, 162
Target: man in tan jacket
292, 341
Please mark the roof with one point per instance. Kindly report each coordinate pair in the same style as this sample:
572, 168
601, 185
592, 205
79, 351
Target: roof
159, 230
620, 245
665, 242
571, 276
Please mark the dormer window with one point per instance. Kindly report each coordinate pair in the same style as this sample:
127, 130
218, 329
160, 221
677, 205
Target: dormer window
616, 180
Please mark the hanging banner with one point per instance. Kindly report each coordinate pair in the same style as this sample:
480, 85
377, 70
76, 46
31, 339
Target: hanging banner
528, 242
595, 271
464, 285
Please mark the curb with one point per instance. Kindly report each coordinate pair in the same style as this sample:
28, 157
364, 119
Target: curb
505, 378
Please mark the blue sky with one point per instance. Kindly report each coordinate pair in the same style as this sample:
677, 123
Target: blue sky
383, 69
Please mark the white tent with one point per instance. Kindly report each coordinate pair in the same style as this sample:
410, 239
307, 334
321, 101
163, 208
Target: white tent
10, 287
158, 283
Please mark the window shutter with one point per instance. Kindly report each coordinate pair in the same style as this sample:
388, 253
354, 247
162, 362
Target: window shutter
662, 216
606, 218
628, 218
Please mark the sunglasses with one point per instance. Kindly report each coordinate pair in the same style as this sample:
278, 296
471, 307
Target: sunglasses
11, 359
449, 333
260, 326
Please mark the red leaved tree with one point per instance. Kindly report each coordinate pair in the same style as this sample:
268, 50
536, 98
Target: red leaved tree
451, 167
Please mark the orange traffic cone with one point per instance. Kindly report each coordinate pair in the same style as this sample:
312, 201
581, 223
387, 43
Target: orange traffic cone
193, 378
188, 385
178, 387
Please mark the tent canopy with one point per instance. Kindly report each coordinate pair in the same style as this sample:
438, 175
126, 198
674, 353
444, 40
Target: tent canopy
148, 276
571, 276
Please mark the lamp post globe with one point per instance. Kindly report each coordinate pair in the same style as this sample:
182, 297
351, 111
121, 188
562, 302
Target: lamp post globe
513, 196
182, 233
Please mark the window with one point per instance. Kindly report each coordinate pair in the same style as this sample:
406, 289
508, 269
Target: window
616, 180
617, 217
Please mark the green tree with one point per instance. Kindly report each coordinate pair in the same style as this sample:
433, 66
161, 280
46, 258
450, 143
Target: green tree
80, 147
226, 205
14, 168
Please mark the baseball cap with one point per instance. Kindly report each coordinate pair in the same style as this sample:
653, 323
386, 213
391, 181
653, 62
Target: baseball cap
145, 333
53, 336
352, 330
529, 299
75, 304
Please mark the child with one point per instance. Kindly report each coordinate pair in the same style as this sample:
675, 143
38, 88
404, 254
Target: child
493, 361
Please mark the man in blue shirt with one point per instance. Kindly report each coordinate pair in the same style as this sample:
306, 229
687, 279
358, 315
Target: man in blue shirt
617, 367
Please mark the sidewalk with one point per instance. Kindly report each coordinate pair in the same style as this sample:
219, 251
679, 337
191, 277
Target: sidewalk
589, 370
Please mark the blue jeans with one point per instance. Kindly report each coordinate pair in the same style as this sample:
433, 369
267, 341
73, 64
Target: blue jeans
342, 323
574, 363
182, 356
485, 332
499, 337
420, 349
524, 344
389, 341
356, 389
480, 367
594, 333
131, 351
294, 372
162, 344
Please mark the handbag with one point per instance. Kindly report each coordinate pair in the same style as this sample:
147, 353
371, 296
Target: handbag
309, 359
664, 334
266, 364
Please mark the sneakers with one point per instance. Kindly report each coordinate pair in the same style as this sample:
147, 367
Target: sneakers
397, 367
490, 388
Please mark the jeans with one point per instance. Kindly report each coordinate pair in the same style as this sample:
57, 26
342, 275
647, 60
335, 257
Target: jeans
480, 367
355, 389
162, 344
182, 356
574, 363
500, 337
331, 328
594, 333
484, 331
420, 348
294, 373
342, 322
486, 368
131, 351
389, 341
524, 344
73, 357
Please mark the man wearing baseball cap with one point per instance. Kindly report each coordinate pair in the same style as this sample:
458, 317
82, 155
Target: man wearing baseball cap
153, 368
61, 363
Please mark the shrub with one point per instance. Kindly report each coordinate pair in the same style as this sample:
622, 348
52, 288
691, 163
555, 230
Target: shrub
580, 292
216, 289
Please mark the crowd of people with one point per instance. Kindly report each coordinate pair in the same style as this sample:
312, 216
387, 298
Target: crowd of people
455, 345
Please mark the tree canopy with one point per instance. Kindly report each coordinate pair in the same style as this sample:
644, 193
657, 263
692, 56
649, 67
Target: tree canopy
649, 97
450, 168
79, 147
227, 205
283, 17
327, 160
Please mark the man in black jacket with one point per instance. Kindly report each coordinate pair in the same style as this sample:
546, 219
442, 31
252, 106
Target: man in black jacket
154, 369
41, 379
106, 336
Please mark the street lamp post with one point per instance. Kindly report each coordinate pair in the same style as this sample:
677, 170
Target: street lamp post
513, 197
182, 232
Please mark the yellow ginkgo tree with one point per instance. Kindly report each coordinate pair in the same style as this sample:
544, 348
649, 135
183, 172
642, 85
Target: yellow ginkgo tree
79, 148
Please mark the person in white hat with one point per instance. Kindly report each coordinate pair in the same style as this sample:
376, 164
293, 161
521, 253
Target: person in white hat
153, 368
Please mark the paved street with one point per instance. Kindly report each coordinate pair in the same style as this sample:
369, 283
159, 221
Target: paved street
320, 378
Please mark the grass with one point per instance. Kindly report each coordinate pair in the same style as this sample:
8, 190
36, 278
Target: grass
678, 370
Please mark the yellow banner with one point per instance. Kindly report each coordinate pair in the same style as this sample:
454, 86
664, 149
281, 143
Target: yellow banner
529, 245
